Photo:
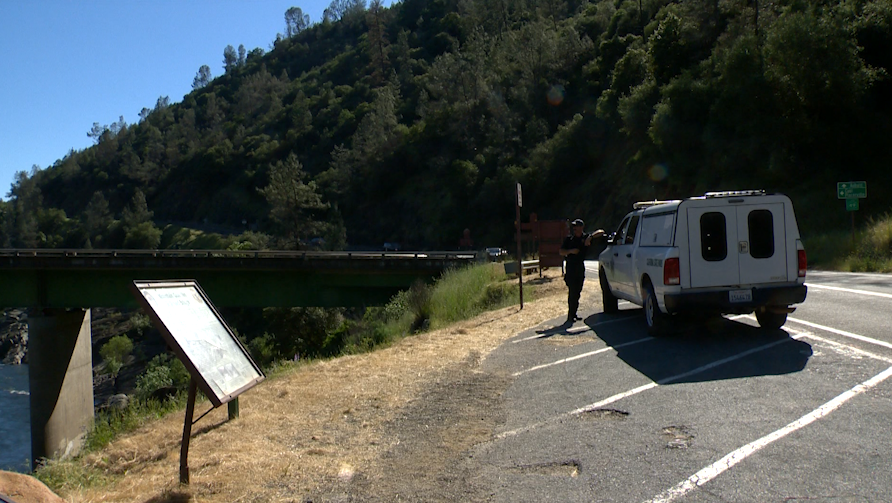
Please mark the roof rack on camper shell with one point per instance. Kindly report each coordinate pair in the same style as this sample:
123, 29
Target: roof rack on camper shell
648, 204
731, 193
708, 195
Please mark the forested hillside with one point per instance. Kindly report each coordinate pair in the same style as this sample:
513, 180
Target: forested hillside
412, 123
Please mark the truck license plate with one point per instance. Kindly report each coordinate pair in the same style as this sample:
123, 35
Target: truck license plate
741, 295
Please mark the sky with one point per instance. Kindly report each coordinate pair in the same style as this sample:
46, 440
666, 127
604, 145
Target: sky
70, 63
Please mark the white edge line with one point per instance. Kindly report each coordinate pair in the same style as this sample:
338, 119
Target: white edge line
850, 290
714, 470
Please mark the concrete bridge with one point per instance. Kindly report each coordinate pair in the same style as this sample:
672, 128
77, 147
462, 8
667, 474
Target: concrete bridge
62, 285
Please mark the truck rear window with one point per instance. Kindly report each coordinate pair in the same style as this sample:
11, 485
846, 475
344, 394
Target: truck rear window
713, 237
761, 230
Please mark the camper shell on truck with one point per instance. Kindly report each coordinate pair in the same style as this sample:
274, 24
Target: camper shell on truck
723, 252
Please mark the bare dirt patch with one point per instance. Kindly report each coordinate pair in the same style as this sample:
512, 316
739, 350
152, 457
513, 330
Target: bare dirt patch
395, 424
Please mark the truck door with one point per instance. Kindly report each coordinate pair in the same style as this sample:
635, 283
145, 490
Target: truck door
761, 243
712, 244
622, 257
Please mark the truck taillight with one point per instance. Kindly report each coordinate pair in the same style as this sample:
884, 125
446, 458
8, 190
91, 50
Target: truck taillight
803, 263
671, 272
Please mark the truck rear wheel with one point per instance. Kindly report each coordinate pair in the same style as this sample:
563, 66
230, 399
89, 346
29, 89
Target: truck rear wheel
610, 302
657, 321
770, 320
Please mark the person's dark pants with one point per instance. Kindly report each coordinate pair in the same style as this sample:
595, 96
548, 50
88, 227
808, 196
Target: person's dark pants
574, 285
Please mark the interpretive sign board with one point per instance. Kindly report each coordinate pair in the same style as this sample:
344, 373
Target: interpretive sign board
201, 338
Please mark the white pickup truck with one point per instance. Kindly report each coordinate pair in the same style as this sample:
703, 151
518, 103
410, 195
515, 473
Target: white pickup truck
723, 252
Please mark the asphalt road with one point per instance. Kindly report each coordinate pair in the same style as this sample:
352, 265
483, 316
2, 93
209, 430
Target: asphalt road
720, 411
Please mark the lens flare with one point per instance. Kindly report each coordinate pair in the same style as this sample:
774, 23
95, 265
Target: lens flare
555, 95
658, 172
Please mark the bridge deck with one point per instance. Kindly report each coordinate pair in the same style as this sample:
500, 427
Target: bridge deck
54, 278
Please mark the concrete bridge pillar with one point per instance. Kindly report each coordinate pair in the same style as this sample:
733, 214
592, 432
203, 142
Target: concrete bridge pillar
60, 363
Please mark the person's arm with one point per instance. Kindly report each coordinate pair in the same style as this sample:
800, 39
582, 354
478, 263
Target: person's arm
564, 251
597, 234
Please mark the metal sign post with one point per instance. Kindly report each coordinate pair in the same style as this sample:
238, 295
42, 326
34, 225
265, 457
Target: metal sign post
851, 192
519, 251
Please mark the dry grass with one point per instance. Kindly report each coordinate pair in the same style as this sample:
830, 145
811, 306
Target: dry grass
313, 424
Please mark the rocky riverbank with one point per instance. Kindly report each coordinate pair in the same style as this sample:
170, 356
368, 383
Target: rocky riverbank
13, 337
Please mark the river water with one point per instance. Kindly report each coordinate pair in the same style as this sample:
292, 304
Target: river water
15, 419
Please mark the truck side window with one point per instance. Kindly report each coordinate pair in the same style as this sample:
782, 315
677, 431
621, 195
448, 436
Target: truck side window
761, 232
713, 237
619, 237
633, 227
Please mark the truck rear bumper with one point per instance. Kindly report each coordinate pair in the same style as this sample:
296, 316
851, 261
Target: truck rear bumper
720, 300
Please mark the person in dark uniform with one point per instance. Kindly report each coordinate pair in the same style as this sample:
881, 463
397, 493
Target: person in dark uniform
574, 250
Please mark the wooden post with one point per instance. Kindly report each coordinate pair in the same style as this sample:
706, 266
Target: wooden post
233, 409
187, 433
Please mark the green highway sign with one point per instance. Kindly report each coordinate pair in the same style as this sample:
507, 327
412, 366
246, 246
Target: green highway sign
851, 204
851, 190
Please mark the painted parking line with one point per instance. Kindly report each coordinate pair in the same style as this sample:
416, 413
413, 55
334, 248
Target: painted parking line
850, 290
651, 385
847, 350
843, 333
714, 470
581, 356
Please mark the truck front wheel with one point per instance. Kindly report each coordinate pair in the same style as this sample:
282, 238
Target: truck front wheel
657, 321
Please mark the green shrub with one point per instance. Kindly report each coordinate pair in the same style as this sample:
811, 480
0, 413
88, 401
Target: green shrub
163, 371
419, 304
457, 294
140, 323
496, 295
263, 350
397, 307
114, 352
118, 347
873, 251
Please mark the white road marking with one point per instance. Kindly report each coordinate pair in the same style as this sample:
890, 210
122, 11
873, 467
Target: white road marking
580, 356
844, 349
842, 333
620, 396
600, 323
850, 290
714, 470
